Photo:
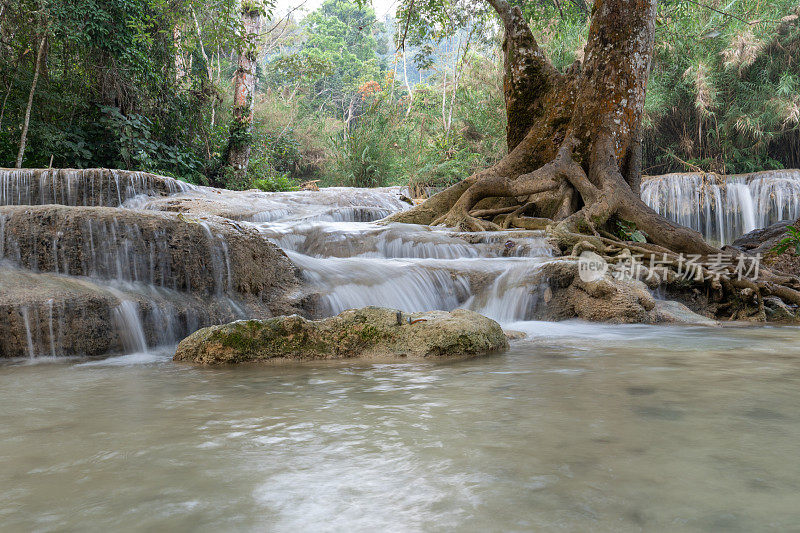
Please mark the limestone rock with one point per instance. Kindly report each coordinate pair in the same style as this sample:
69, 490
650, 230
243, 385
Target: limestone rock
671, 312
607, 299
208, 255
47, 314
371, 332
762, 241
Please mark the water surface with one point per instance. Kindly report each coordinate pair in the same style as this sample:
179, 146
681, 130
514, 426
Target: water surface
579, 427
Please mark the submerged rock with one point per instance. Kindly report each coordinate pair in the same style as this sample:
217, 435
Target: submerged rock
371, 332
671, 312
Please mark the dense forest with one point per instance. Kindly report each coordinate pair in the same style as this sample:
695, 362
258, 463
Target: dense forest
339, 96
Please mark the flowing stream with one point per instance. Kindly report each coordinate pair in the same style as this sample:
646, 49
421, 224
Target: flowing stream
578, 427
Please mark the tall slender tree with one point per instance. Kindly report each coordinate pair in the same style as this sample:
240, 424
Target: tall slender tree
36, 69
244, 88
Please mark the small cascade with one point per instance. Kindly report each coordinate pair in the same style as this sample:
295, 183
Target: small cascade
82, 187
398, 241
220, 260
332, 204
512, 296
123, 247
414, 268
28, 335
50, 329
129, 325
74, 317
345, 283
724, 208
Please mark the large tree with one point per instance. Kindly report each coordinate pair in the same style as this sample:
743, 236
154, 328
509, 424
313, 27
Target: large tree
573, 138
574, 147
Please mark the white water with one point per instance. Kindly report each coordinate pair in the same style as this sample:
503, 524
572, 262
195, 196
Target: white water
413, 268
135, 262
28, 336
129, 324
75, 187
723, 210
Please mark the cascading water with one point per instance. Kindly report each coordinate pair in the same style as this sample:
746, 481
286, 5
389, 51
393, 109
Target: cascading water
28, 335
161, 277
88, 187
724, 208
413, 268
140, 281
129, 324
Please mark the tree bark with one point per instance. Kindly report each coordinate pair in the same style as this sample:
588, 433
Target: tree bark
24, 137
238, 153
573, 137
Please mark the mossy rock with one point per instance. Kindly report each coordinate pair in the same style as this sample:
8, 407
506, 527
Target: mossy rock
371, 332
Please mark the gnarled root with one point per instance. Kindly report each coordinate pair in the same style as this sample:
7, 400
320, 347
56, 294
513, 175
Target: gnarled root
579, 213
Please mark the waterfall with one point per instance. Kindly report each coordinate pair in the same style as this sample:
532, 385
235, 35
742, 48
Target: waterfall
512, 297
124, 247
724, 208
129, 325
52, 337
85, 274
82, 187
28, 335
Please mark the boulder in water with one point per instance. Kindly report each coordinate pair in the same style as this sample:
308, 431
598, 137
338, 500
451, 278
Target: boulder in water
672, 312
371, 332
606, 299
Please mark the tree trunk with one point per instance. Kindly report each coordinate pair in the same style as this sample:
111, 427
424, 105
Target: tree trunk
238, 153
24, 137
574, 138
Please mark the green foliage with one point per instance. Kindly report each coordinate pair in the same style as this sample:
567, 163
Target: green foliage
126, 84
790, 240
116, 89
628, 232
275, 183
134, 146
365, 156
723, 93
341, 51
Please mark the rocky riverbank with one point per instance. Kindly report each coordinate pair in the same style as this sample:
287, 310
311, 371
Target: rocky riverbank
84, 271
97, 262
